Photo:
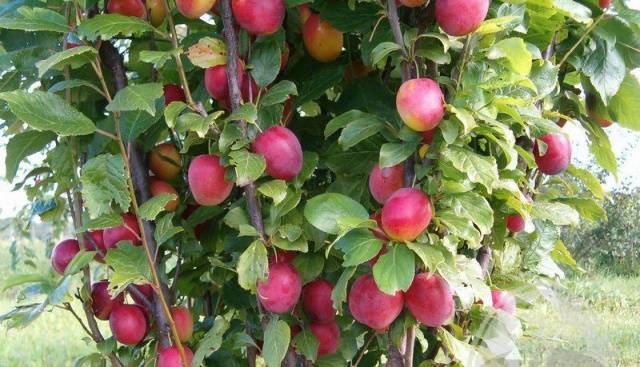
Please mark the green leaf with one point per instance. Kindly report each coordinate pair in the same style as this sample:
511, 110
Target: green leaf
342, 120
359, 130
158, 58
137, 97
249, 166
154, 206
47, 111
325, 211
252, 266
72, 83
562, 255
277, 336
586, 207
600, 147
472, 206
74, 57
309, 266
382, 50
129, 264
247, 112
395, 270
104, 182
606, 69
431, 257
279, 93
515, 51
392, 154
208, 52
265, 59
589, 180
465, 353
108, 220
339, 293
35, 19
165, 229
21, 146
479, 169
323, 77
557, 213
274, 189
358, 17
573, 9
358, 246
307, 344
173, 111
625, 105
309, 165
460, 226
82, 259
135, 123
108, 26
212, 340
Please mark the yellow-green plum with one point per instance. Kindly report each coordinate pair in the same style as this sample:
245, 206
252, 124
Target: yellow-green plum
157, 12
322, 41
420, 103
164, 161
194, 9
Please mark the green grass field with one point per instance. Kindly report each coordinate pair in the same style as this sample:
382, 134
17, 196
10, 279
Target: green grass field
595, 322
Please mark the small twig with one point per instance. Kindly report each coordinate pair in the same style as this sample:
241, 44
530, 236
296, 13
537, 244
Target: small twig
68, 307
394, 22
364, 350
580, 40
463, 62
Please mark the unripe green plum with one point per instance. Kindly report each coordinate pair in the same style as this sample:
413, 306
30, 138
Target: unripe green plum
406, 214
207, 182
164, 161
420, 103
63, 253
430, 300
372, 307
259, 17
322, 41
281, 291
157, 12
461, 17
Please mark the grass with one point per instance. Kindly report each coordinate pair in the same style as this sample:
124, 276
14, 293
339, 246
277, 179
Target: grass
593, 323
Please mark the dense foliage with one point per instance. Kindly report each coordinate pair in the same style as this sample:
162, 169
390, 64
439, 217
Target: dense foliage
362, 184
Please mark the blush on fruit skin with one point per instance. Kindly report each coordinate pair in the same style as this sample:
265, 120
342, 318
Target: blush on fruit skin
170, 357
281, 149
515, 223
146, 290
430, 300
128, 231
328, 335
406, 214
461, 17
184, 322
604, 3
173, 93
259, 17
159, 187
383, 182
101, 301
157, 12
63, 253
371, 307
503, 300
317, 302
130, 8
194, 9
427, 136
412, 3
93, 239
282, 256
128, 324
164, 161
207, 182
557, 158
378, 232
281, 291
284, 56
305, 13
322, 41
420, 103
216, 81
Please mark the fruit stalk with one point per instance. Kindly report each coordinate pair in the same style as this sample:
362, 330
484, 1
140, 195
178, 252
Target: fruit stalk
136, 177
